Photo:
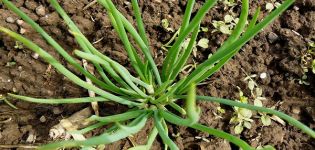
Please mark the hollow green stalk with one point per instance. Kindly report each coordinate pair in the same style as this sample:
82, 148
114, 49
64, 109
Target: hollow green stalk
184, 57
123, 35
166, 139
193, 111
123, 73
223, 61
118, 118
139, 41
51, 60
169, 117
187, 15
59, 101
83, 42
140, 24
173, 52
283, 116
135, 126
53, 43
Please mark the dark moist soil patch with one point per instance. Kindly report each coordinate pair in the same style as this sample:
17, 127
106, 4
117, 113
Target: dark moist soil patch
276, 51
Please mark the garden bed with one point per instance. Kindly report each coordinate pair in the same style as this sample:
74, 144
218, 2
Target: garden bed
276, 52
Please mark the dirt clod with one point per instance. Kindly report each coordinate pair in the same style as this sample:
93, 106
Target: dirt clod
40, 10
10, 20
272, 37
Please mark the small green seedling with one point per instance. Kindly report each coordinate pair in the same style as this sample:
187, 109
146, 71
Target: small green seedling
149, 93
308, 58
204, 43
256, 95
304, 80
308, 63
230, 20
229, 3
10, 64
166, 24
224, 27
219, 112
2, 98
204, 29
242, 116
18, 45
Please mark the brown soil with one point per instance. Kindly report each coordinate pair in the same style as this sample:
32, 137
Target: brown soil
276, 51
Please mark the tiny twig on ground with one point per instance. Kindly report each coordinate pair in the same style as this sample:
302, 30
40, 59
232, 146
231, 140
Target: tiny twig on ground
90, 4
132, 141
19, 146
91, 93
99, 40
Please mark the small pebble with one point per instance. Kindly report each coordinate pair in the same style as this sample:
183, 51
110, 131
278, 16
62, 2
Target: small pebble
127, 3
42, 119
10, 20
35, 55
22, 30
19, 22
20, 68
40, 10
31, 137
272, 37
296, 8
263, 75
296, 110
57, 111
14, 90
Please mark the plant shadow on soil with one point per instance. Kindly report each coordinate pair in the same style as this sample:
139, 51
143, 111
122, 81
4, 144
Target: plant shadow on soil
276, 51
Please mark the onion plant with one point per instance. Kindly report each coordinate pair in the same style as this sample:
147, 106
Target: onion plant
150, 92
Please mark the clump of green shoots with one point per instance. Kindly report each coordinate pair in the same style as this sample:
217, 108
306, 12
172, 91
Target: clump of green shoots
150, 92
308, 59
18, 45
242, 116
308, 62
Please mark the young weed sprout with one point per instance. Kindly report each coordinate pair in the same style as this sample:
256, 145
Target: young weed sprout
150, 93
